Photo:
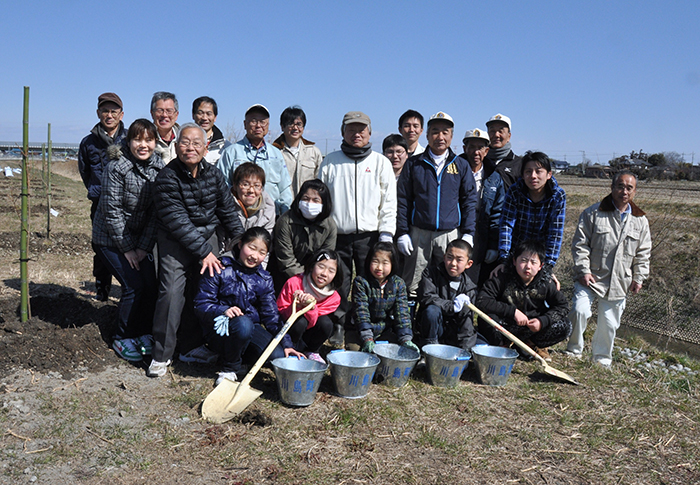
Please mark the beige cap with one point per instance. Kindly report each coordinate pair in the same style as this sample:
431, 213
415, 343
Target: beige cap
356, 117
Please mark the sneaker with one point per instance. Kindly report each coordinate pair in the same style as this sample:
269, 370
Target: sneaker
127, 349
544, 353
314, 356
102, 294
604, 363
231, 376
200, 355
572, 354
145, 344
158, 369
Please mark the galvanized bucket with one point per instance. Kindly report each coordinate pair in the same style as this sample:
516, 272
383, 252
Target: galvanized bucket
298, 380
445, 364
494, 363
396, 365
352, 372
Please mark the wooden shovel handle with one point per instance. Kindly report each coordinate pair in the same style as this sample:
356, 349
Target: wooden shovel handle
275, 341
510, 336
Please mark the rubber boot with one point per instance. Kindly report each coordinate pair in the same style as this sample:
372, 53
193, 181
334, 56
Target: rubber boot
338, 335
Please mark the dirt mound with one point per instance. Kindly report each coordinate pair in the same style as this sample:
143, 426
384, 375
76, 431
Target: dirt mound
67, 332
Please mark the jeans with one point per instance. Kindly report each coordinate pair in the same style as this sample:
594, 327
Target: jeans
139, 290
246, 340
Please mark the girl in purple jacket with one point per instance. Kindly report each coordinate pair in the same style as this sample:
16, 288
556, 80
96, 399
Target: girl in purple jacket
234, 305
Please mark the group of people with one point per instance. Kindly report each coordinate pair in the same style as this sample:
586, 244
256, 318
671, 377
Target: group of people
213, 241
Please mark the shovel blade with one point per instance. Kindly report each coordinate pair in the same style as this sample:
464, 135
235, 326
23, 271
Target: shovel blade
227, 400
548, 369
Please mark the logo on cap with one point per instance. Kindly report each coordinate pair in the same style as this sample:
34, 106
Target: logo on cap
477, 133
497, 117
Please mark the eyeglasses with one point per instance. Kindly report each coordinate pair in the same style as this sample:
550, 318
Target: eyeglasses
297, 124
247, 185
113, 112
195, 144
169, 111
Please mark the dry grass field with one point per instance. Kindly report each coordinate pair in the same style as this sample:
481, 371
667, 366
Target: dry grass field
72, 412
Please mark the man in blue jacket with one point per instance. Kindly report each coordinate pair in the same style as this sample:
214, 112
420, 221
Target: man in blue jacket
436, 202
92, 159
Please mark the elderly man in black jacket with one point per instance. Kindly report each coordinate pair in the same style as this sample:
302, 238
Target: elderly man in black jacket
191, 198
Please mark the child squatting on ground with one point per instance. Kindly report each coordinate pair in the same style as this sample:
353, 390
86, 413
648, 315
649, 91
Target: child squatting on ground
380, 303
526, 302
317, 283
233, 306
445, 292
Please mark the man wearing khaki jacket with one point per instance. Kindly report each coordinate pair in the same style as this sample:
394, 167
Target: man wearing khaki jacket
611, 249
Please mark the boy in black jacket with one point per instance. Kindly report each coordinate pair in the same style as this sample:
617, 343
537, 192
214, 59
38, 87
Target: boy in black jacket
525, 302
445, 292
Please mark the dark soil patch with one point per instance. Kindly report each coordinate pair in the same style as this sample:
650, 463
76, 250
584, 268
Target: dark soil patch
66, 332
60, 243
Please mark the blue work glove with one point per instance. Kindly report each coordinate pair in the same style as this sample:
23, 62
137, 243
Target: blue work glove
460, 301
409, 344
221, 325
368, 346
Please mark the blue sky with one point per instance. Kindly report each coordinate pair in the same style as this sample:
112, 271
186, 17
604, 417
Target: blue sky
596, 76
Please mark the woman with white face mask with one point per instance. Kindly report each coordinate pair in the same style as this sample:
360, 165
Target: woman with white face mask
302, 231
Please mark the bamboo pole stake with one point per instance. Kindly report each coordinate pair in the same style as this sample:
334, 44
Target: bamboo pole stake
43, 167
48, 189
24, 227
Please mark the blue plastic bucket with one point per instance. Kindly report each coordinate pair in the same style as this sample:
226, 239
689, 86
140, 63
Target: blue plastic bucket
445, 364
352, 372
494, 363
396, 365
298, 380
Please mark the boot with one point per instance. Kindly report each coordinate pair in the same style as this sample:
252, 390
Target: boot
338, 335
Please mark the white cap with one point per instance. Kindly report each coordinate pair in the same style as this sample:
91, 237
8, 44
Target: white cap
441, 116
501, 118
476, 133
258, 107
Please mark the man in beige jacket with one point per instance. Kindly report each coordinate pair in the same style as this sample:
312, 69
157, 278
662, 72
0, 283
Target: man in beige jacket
610, 248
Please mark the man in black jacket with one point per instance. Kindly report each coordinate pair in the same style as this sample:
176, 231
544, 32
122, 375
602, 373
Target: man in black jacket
92, 159
191, 198
500, 153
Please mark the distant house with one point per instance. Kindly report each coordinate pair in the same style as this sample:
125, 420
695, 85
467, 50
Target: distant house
598, 171
559, 166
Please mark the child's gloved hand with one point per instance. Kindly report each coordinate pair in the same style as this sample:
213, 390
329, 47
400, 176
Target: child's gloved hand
461, 300
409, 344
221, 325
368, 346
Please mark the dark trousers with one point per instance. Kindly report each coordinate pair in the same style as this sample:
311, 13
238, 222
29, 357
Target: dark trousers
352, 248
556, 331
246, 341
310, 340
139, 292
102, 274
435, 328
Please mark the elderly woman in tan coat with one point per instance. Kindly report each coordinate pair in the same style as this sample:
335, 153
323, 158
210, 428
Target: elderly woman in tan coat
610, 248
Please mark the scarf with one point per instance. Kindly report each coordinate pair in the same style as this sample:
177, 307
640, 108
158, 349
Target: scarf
249, 212
354, 152
319, 294
498, 154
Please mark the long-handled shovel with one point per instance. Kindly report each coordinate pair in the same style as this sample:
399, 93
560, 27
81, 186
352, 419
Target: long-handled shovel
548, 369
230, 398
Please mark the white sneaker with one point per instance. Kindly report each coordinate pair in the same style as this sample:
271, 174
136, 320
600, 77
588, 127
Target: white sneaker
572, 354
200, 355
158, 369
231, 376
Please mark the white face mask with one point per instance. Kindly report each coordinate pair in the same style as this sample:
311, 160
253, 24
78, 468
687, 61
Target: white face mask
310, 210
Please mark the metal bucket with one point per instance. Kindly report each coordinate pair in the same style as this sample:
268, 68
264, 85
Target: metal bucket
494, 363
352, 372
396, 365
445, 364
298, 380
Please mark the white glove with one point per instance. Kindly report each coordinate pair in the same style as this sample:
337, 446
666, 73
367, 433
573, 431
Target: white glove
405, 245
460, 301
221, 325
385, 237
469, 238
491, 256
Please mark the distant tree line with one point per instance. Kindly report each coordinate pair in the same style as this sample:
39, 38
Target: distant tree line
662, 165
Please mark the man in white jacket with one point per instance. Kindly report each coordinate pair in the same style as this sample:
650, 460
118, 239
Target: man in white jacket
610, 248
363, 191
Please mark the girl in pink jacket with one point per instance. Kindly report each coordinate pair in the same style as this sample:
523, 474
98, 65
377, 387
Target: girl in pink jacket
318, 282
